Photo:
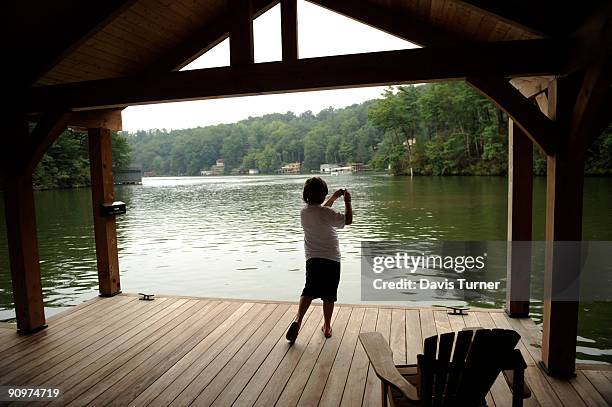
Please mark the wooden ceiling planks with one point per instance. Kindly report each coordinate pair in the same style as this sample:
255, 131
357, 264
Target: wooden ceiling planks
457, 17
436, 13
137, 37
109, 43
147, 30
177, 8
423, 9
474, 23
169, 22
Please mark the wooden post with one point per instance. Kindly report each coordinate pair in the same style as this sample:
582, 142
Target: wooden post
102, 191
520, 204
23, 252
241, 32
289, 29
564, 188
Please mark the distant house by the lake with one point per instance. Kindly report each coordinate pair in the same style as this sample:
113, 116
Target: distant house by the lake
335, 169
218, 168
326, 168
291, 168
358, 167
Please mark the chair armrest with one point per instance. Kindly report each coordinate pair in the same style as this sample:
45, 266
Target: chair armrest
517, 372
407, 370
381, 358
509, 376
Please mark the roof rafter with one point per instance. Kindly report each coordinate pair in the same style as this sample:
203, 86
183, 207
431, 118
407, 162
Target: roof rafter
400, 25
590, 115
48, 128
205, 39
423, 34
540, 129
591, 111
519, 14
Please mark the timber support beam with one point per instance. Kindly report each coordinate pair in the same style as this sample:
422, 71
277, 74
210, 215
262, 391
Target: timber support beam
105, 229
91, 119
520, 205
20, 217
580, 105
289, 30
538, 127
52, 124
334, 72
49, 127
241, 32
23, 252
202, 40
564, 190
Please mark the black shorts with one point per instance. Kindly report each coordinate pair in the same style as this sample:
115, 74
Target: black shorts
322, 279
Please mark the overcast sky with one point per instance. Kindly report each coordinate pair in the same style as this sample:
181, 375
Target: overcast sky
320, 33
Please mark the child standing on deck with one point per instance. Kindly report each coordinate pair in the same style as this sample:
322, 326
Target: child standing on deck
322, 248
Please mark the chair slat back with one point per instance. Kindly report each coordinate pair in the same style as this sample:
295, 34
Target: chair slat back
445, 347
426, 365
462, 345
478, 358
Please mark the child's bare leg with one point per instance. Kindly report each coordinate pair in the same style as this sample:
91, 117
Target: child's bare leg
304, 304
328, 310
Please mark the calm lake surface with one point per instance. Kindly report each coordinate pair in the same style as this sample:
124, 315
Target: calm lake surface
240, 237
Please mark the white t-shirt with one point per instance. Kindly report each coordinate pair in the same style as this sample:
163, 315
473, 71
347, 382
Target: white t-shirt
320, 237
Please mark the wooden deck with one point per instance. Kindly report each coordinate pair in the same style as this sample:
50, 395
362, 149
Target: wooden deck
188, 351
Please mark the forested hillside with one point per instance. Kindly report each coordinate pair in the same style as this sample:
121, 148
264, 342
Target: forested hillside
437, 129
262, 142
66, 163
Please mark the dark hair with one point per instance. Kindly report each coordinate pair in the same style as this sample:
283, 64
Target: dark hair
315, 191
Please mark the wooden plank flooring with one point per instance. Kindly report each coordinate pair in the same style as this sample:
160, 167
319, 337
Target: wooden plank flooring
181, 351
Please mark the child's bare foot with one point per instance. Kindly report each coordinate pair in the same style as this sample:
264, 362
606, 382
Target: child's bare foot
326, 331
293, 331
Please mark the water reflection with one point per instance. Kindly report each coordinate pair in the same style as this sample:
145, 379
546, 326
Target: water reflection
241, 237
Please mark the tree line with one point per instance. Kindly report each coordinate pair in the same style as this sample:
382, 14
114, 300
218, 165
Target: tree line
66, 163
432, 129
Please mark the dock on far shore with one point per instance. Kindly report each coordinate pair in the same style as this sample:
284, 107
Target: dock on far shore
131, 175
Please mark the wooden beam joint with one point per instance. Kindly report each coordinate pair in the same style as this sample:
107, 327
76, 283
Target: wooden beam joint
90, 119
540, 129
289, 29
241, 32
342, 71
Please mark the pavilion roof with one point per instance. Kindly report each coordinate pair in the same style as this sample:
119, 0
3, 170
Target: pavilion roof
79, 41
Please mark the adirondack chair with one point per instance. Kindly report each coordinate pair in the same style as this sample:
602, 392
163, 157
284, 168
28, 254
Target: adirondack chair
443, 377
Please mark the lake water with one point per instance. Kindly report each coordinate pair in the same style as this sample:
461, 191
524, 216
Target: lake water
240, 237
